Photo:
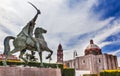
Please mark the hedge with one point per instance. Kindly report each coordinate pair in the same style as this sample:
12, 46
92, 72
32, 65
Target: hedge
34, 64
68, 72
110, 74
90, 75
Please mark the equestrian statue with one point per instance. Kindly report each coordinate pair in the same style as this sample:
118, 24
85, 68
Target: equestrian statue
25, 41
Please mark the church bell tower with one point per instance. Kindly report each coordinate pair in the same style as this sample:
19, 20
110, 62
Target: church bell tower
60, 54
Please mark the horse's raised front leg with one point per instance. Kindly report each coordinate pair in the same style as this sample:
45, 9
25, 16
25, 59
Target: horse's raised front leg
49, 55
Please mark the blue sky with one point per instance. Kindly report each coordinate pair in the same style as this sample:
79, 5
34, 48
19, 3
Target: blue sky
108, 8
69, 22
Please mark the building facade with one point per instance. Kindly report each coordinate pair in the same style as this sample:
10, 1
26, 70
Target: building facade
93, 60
12, 57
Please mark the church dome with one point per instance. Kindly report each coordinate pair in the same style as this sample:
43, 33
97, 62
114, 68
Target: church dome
92, 49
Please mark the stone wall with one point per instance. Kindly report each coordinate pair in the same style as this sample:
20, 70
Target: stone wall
27, 71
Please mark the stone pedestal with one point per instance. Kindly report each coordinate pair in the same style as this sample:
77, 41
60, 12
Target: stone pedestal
27, 71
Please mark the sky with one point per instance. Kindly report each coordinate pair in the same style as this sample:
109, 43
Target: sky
71, 23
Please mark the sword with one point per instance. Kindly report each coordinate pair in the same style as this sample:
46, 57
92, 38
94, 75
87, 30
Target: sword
35, 7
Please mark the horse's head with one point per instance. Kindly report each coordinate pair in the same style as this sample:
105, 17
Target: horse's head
39, 30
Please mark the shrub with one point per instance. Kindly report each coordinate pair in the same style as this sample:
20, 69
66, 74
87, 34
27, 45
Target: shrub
34, 64
110, 73
90, 75
68, 72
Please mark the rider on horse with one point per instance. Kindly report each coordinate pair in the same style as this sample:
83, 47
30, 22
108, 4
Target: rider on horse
28, 31
25, 41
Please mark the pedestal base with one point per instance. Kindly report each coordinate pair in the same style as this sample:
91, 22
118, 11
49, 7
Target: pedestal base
27, 71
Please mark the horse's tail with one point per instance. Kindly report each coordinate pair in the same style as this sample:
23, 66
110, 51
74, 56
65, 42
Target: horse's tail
6, 44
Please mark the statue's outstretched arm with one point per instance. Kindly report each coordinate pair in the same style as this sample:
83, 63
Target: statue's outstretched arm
35, 17
38, 12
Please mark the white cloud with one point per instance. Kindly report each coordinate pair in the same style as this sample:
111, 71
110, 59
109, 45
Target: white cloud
103, 34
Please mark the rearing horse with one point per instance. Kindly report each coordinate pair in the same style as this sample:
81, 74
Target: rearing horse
31, 45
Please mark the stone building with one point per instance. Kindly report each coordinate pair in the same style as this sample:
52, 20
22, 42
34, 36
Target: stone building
93, 60
60, 54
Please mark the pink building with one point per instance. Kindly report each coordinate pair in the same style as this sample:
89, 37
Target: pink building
93, 60
12, 57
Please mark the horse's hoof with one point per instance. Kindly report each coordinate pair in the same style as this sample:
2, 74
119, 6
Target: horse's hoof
47, 57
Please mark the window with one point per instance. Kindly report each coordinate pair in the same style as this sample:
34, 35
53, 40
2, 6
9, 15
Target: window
99, 60
83, 61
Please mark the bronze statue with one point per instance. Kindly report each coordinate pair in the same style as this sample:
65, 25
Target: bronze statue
25, 41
